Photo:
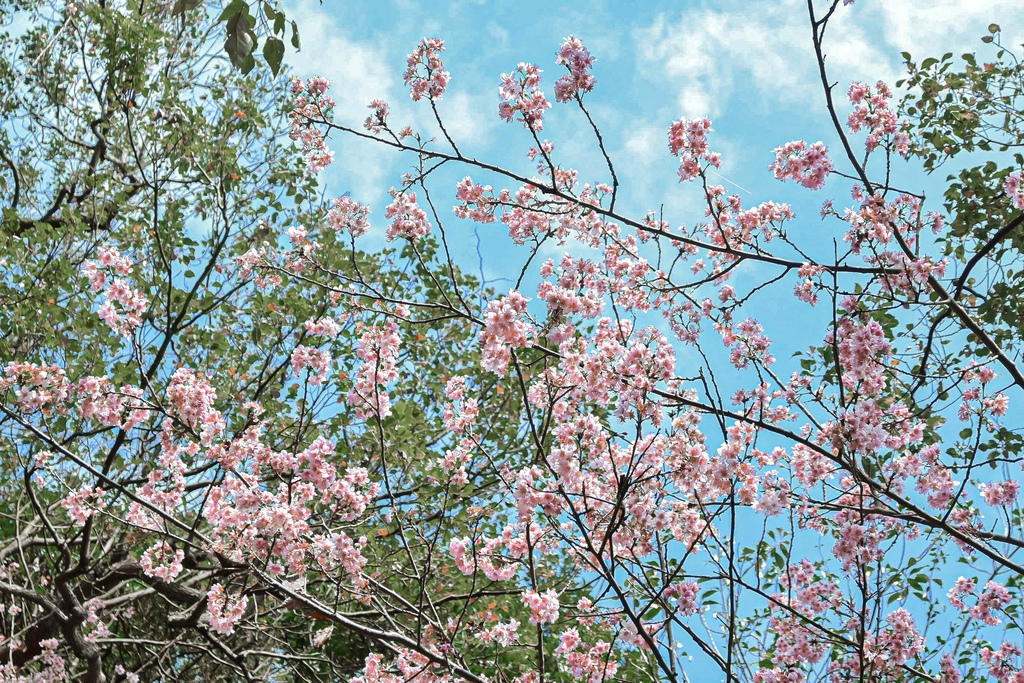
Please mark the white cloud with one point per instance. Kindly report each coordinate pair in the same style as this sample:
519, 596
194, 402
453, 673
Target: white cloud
710, 56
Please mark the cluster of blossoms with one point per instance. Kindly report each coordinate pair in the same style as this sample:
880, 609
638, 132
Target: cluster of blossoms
224, 612
83, 503
476, 202
872, 112
378, 120
976, 403
805, 290
688, 140
192, 398
311, 104
883, 655
162, 562
502, 634
543, 606
1014, 189
434, 79
504, 330
578, 60
408, 219
378, 351
995, 597
53, 668
808, 165
348, 214
98, 400
316, 360
521, 96
747, 342
36, 387
126, 315
462, 412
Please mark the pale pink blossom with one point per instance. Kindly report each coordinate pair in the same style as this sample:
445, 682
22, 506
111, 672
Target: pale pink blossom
426, 75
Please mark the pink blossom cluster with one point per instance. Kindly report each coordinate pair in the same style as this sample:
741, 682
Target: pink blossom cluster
1014, 189
476, 202
747, 342
192, 397
1004, 664
685, 594
324, 327
688, 140
578, 60
378, 350
864, 353
483, 555
36, 387
348, 214
1000, 493
993, 598
262, 510
83, 503
250, 262
504, 330
317, 361
165, 484
377, 121
223, 610
805, 290
808, 165
873, 113
576, 287
592, 663
162, 562
974, 403
52, 666
408, 219
311, 105
126, 315
521, 96
503, 634
98, 400
462, 412
426, 75
543, 606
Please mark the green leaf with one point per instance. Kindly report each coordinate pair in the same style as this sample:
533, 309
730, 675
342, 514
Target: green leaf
273, 52
182, 6
240, 44
295, 35
233, 8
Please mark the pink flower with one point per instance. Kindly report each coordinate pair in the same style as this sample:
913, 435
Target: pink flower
317, 360
521, 96
378, 349
1000, 493
1014, 189
504, 330
310, 106
348, 214
687, 139
543, 608
160, 563
224, 613
873, 113
123, 306
425, 73
578, 61
408, 220
377, 121
807, 165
